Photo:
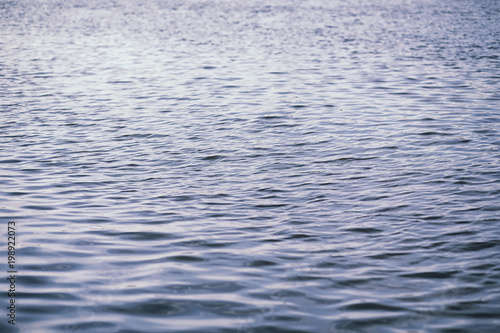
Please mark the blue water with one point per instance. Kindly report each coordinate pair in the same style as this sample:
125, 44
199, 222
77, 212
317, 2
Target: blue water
251, 166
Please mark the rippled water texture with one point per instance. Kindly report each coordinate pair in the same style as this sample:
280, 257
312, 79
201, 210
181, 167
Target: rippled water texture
251, 166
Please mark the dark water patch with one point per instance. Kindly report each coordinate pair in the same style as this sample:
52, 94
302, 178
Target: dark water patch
260, 263
225, 287
35, 311
299, 236
434, 133
61, 267
97, 220
271, 190
272, 117
391, 209
363, 324
48, 296
346, 159
370, 306
123, 251
207, 244
11, 161
212, 157
16, 193
389, 255
430, 275
277, 328
304, 278
327, 264
141, 136
36, 207
287, 294
474, 246
490, 208
270, 205
373, 198
94, 326
354, 282
185, 258
271, 240
364, 230
135, 236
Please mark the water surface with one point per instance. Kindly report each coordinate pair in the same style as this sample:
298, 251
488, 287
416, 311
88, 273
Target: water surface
252, 166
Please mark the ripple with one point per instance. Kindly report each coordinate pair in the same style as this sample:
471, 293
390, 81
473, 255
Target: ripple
430, 275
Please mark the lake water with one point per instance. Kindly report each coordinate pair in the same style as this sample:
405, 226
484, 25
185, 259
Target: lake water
251, 166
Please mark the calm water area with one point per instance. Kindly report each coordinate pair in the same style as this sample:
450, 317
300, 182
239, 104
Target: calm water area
316, 166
